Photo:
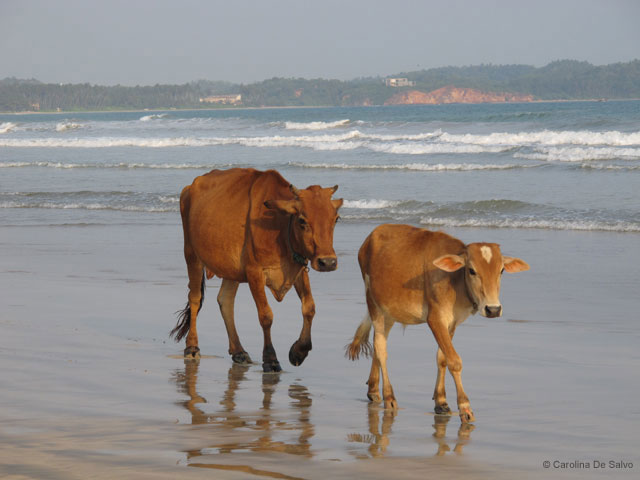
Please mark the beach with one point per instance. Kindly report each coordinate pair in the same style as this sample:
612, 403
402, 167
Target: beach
92, 273
93, 387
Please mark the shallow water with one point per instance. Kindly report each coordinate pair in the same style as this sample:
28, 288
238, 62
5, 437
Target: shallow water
92, 385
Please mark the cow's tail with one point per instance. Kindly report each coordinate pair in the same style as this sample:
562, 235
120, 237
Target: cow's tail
184, 317
360, 344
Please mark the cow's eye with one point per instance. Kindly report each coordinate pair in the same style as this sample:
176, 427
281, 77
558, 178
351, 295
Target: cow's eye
337, 218
302, 222
472, 271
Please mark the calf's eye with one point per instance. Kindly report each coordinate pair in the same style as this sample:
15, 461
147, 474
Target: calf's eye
472, 271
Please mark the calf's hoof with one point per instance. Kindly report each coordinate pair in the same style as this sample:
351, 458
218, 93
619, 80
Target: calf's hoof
271, 367
241, 358
298, 353
374, 397
466, 415
192, 353
390, 404
442, 409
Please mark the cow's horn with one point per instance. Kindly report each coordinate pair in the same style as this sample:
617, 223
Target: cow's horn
294, 190
334, 189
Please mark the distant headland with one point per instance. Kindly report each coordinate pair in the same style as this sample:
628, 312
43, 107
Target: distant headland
558, 81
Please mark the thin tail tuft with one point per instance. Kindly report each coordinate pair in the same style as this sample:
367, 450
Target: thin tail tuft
360, 344
184, 317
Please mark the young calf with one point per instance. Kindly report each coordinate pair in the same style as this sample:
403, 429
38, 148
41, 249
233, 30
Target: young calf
413, 276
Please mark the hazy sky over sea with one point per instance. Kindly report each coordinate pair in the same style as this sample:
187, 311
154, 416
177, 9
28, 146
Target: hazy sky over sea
169, 41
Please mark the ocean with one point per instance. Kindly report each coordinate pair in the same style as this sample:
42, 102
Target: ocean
92, 271
557, 166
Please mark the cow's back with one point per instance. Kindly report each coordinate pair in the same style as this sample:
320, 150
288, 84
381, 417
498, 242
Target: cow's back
214, 212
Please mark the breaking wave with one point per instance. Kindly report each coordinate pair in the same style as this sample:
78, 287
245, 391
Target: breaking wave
7, 127
551, 224
580, 154
121, 165
316, 125
156, 116
547, 137
424, 167
64, 126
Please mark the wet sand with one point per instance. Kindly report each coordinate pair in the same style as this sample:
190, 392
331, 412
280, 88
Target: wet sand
93, 388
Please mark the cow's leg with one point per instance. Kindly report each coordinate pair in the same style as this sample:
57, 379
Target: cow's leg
438, 323
439, 394
301, 347
195, 270
226, 299
265, 315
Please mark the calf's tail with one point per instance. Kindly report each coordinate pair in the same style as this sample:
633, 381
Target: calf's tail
360, 343
184, 317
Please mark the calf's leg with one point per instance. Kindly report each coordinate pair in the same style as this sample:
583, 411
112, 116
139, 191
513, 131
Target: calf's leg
438, 323
439, 395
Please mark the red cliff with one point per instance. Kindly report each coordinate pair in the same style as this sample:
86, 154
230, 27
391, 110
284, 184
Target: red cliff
451, 94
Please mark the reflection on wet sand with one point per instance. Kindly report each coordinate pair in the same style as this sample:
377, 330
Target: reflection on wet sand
254, 430
379, 434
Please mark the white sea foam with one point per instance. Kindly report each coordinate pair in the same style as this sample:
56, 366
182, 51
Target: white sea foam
370, 204
424, 167
546, 137
122, 165
580, 154
157, 116
434, 148
64, 126
585, 225
315, 125
7, 127
603, 166
88, 206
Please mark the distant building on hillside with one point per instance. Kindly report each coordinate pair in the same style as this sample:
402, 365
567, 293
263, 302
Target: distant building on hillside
234, 99
399, 82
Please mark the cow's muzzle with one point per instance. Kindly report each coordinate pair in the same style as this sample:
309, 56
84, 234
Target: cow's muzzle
492, 311
327, 264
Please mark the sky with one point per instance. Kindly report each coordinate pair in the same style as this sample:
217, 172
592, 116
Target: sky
145, 42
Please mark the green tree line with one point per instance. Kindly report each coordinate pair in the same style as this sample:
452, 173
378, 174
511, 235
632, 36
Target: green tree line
560, 80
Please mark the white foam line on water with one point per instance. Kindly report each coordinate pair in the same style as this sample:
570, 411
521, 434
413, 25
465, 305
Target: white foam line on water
546, 137
439, 167
162, 166
88, 206
373, 204
580, 154
316, 125
536, 224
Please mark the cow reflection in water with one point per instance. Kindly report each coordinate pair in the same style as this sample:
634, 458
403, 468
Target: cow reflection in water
379, 433
258, 427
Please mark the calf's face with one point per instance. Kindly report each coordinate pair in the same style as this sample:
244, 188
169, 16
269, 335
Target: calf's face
483, 267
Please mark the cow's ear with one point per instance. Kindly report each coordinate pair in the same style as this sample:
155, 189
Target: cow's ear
449, 263
337, 203
514, 265
289, 207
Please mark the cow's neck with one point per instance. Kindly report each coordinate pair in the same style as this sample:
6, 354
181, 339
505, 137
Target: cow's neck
297, 258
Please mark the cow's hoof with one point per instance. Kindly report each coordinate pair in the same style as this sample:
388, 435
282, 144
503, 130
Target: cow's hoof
374, 397
271, 367
466, 415
241, 358
192, 353
442, 409
297, 354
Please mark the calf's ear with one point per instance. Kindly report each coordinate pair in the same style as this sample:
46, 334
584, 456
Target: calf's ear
289, 207
514, 265
337, 203
449, 263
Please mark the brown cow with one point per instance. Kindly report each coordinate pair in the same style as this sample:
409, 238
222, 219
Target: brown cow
412, 276
244, 225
